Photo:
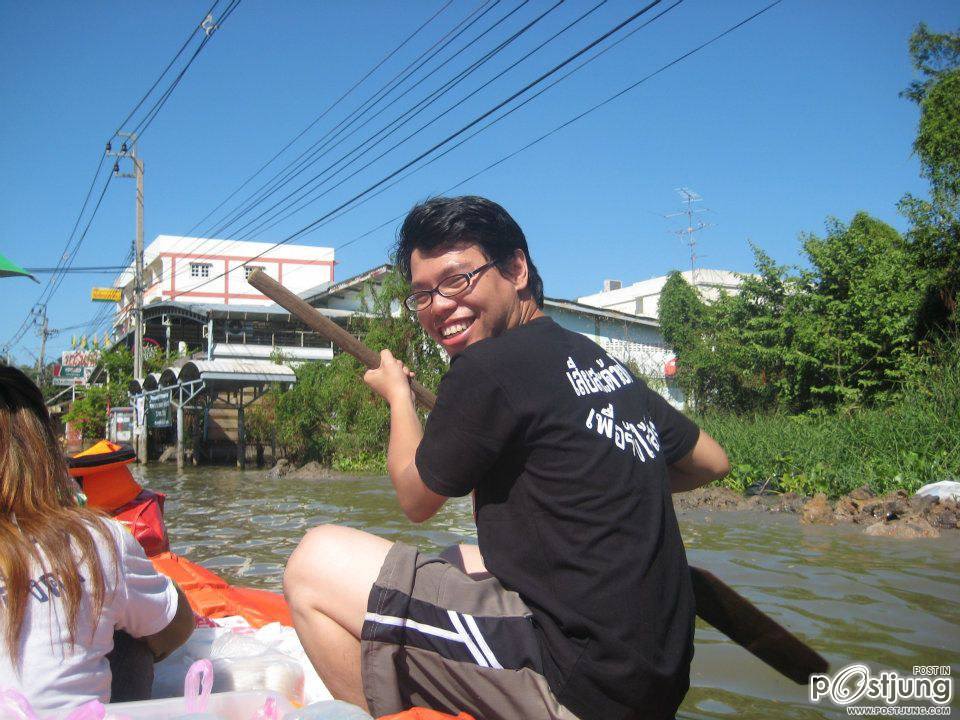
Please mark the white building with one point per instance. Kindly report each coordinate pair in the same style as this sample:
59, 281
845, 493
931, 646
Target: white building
212, 271
633, 340
643, 298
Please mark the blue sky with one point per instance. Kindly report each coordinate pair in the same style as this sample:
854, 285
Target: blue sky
791, 119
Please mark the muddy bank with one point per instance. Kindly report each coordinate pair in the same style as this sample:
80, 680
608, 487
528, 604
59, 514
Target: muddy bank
897, 515
312, 471
894, 515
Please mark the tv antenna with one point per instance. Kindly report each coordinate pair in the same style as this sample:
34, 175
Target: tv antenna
693, 225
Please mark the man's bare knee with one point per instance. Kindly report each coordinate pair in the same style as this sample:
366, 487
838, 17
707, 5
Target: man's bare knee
302, 572
332, 571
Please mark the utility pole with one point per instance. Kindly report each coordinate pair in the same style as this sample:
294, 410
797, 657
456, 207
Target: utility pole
688, 234
131, 152
44, 332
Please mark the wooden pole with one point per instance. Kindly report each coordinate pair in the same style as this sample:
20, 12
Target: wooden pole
241, 436
325, 327
180, 434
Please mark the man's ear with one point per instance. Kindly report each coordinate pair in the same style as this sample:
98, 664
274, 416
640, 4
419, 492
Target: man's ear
516, 271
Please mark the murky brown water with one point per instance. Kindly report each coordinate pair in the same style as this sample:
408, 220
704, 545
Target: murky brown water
891, 604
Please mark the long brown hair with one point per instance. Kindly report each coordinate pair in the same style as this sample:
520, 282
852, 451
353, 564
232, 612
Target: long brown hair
42, 524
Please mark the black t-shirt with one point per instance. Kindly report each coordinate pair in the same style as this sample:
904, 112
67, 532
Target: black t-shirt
567, 452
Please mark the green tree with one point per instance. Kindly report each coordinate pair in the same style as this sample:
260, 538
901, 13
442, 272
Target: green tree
934, 237
933, 55
681, 313
329, 414
864, 300
89, 412
840, 332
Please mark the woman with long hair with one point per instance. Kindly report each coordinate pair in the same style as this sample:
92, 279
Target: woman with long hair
69, 576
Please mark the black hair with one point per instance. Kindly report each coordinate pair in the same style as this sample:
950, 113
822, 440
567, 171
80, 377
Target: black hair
18, 391
442, 220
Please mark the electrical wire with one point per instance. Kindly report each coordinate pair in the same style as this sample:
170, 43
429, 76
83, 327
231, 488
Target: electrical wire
416, 109
561, 126
95, 269
284, 174
422, 105
263, 227
151, 115
452, 136
160, 77
321, 115
69, 254
425, 57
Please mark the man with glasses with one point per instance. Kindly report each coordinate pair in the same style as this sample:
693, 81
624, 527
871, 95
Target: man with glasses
578, 603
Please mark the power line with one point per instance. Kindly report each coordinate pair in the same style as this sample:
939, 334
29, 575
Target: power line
416, 109
69, 254
454, 135
453, 106
158, 105
321, 115
565, 124
437, 93
286, 173
86, 269
160, 77
358, 112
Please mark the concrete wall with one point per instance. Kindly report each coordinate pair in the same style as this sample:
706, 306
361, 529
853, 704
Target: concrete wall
642, 345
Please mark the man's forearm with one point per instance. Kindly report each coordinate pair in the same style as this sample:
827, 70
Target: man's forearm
416, 500
405, 435
705, 463
681, 481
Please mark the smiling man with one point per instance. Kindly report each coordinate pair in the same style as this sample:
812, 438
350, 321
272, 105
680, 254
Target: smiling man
578, 603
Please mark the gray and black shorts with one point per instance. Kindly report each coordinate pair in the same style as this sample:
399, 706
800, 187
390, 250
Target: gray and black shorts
435, 637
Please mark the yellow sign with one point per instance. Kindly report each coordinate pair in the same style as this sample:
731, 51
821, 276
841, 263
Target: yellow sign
105, 294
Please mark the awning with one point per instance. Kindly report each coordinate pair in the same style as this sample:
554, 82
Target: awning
169, 377
227, 374
289, 353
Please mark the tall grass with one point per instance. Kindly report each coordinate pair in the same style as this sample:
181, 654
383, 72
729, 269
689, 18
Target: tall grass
912, 441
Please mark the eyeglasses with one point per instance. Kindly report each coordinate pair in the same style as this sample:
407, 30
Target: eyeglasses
448, 287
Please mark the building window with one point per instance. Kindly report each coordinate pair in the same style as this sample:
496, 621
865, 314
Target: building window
200, 270
247, 269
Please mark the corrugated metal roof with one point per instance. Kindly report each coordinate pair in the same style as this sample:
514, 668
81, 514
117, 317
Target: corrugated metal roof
265, 352
576, 307
203, 310
319, 292
230, 372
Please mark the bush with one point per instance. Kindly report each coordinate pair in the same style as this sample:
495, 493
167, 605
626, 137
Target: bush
329, 414
907, 444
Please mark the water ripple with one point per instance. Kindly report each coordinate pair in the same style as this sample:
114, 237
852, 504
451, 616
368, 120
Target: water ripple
855, 598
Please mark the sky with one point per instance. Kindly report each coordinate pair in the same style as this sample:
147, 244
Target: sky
788, 121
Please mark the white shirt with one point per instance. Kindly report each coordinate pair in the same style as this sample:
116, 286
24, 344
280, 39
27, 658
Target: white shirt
55, 675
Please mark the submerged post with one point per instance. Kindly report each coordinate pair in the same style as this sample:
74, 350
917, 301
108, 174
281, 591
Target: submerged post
180, 434
241, 436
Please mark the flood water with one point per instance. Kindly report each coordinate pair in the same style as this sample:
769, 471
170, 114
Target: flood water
891, 604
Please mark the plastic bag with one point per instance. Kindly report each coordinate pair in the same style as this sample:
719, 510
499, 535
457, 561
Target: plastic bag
244, 662
241, 659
